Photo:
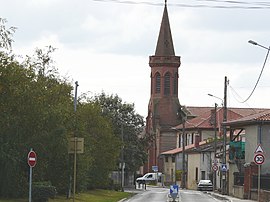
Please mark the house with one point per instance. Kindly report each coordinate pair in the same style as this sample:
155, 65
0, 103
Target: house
200, 145
256, 132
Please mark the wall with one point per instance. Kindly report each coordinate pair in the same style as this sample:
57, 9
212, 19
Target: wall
238, 191
251, 142
265, 142
169, 170
234, 190
193, 163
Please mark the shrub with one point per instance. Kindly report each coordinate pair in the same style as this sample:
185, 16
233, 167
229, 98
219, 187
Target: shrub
41, 192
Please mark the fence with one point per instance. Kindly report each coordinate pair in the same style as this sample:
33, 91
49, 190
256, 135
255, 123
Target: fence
265, 179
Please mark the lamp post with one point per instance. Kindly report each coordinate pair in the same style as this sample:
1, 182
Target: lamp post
268, 49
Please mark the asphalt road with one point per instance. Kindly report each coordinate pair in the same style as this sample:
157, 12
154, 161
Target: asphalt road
155, 194
196, 196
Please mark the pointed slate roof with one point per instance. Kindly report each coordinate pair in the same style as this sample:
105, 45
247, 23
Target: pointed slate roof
165, 43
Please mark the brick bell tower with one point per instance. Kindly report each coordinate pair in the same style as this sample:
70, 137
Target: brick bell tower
164, 103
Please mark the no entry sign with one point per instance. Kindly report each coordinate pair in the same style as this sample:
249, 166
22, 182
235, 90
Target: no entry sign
32, 158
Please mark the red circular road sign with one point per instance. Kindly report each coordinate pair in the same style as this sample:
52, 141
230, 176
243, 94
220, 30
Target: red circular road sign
32, 158
214, 167
259, 158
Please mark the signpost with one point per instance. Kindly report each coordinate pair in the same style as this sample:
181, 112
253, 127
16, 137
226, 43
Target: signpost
31, 160
174, 189
259, 160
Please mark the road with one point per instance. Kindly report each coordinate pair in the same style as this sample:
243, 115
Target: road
154, 194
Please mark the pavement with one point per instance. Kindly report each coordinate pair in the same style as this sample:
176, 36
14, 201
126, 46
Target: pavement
228, 198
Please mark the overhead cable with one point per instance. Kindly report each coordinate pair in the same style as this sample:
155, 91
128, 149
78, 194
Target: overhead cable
241, 5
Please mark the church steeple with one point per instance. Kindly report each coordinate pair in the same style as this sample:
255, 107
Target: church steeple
164, 103
165, 43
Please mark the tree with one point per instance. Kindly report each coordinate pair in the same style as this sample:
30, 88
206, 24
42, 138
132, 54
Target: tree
36, 110
6, 35
101, 146
123, 115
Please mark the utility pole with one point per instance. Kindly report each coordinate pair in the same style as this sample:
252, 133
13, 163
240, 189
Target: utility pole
122, 159
224, 176
75, 142
215, 147
183, 155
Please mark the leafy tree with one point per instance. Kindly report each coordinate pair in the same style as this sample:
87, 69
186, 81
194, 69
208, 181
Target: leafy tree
36, 110
6, 35
123, 115
101, 146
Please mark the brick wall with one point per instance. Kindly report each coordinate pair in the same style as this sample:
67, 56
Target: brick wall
250, 170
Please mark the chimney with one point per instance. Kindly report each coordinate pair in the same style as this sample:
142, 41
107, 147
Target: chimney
197, 140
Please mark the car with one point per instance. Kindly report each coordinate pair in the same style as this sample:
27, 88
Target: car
148, 177
205, 185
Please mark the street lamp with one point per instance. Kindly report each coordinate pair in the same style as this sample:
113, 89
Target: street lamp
217, 98
256, 44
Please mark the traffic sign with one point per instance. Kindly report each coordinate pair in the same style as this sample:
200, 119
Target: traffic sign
155, 168
224, 167
259, 158
214, 167
174, 191
259, 149
32, 158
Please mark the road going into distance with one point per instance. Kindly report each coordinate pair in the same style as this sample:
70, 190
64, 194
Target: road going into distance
157, 194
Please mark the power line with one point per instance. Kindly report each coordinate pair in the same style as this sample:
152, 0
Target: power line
258, 77
242, 5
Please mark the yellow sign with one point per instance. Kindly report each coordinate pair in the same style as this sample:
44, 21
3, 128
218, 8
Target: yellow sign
76, 143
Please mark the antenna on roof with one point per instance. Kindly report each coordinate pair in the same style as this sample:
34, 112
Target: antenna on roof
165, 2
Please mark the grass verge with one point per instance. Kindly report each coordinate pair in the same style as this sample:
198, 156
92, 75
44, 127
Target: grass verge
93, 196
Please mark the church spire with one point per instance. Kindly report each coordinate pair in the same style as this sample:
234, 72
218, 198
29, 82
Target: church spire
165, 43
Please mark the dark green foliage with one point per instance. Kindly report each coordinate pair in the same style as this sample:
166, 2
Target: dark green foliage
41, 192
37, 112
123, 115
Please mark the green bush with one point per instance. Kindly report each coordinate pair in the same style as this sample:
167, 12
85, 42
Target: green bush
42, 192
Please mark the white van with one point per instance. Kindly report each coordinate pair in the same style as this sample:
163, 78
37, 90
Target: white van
148, 177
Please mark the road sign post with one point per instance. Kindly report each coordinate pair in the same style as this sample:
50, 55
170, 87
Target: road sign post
31, 160
259, 160
174, 189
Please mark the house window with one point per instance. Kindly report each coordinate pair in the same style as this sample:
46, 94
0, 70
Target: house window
173, 159
166, 159
175, 84
196, 174
203, 175
203, 157
157, 89
167, 83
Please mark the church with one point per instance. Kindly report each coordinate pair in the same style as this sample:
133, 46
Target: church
164, 104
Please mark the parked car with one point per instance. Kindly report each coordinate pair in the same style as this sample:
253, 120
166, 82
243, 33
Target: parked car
205, 185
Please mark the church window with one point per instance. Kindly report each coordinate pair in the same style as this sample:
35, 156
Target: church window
157, 83
175, 84
167, 83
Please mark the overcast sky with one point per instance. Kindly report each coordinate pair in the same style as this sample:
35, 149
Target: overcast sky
105, 45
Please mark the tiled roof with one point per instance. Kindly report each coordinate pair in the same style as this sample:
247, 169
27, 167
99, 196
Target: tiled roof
179, 150
203, 116
263, 116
